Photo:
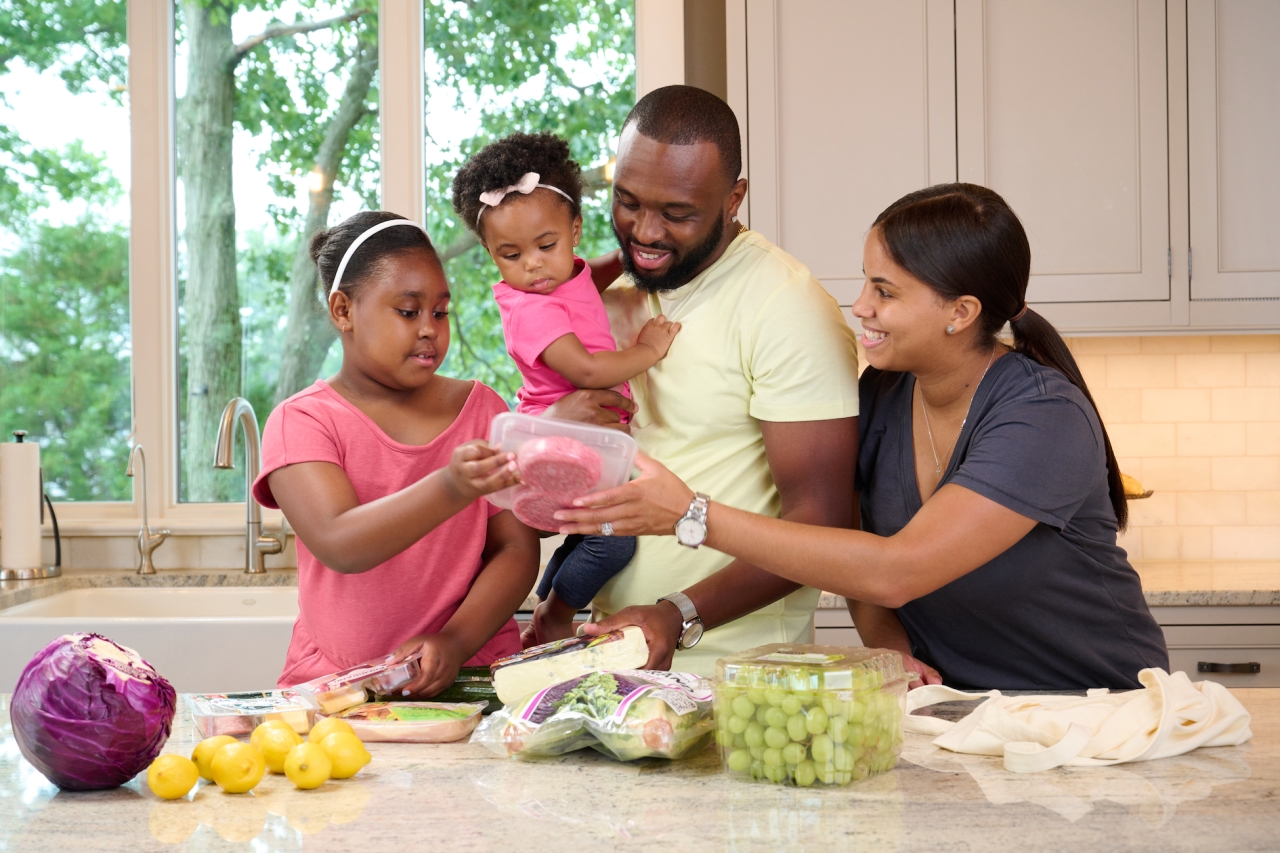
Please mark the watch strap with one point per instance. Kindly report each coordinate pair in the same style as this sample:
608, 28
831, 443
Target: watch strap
688, 613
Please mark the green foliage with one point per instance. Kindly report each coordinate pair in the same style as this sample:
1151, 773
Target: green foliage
84, 39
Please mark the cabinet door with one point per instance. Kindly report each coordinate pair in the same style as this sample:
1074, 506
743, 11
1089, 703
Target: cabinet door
1061, 108
850, 105
1233, 82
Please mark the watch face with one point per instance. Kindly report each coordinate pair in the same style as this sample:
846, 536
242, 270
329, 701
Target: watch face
691, 635
690, 531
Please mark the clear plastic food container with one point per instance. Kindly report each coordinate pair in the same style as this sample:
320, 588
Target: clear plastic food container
240, 713
350, 687
510, 432
810, 715
413, 722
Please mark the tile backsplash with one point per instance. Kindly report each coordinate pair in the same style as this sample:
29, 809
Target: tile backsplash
1197, 420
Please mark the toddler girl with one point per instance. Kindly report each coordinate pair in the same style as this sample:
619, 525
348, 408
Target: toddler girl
379, 469
522, 196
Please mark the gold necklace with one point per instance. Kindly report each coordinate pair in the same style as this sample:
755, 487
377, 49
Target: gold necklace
937, 464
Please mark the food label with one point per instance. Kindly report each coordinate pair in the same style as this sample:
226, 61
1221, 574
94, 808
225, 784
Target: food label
248, 704
396, 712
805, 658
558, 647
602, 695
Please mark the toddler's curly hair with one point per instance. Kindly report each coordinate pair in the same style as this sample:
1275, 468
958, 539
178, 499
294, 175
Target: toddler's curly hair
502, 163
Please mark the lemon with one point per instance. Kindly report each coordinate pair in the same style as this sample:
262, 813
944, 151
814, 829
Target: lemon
275, 738
172, 776
327, 726
347, 754
237, 767
203, 753
308, 765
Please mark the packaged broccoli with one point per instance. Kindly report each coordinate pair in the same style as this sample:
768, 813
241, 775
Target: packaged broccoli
625, 714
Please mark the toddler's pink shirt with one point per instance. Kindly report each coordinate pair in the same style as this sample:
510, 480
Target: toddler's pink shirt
344, 619
532, 321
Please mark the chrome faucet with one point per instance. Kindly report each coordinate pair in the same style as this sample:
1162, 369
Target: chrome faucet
148, 542
256, 546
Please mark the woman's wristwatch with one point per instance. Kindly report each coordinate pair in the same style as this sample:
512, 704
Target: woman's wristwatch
691, 630
691, 529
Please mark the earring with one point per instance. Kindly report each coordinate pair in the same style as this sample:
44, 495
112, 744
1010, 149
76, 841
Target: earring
951, 330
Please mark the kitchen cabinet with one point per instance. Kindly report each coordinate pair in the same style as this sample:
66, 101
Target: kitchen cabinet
1233, 88
1135, 139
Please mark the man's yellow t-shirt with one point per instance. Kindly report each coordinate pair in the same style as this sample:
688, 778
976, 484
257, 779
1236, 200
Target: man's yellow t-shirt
760, 341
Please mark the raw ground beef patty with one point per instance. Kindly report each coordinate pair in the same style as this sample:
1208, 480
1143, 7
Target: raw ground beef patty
559, 465
535, 508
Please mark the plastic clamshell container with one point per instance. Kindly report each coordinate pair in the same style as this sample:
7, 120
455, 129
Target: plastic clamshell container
350, 687
617, 450
414, 722
810, 715
241, 713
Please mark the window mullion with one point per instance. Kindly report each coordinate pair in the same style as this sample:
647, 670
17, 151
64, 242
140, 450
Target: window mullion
401, 108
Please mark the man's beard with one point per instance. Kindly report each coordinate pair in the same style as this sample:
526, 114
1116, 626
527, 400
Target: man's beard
681, 271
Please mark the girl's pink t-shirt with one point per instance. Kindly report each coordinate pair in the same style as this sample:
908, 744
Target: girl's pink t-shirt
345, 619
532, 321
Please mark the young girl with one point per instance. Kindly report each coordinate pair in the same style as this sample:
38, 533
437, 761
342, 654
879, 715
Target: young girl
522, 196
379, 470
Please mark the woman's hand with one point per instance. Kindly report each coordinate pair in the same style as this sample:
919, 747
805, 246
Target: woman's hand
928, 675
660, 622
477, 469
649, 505
440, 663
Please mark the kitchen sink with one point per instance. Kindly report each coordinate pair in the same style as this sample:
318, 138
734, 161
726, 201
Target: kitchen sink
203, 640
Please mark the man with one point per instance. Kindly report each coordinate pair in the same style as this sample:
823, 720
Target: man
756, 402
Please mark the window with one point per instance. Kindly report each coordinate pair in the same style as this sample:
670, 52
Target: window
276, 134
561, 66
65, 346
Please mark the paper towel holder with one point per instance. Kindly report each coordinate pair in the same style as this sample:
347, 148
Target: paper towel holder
42, 572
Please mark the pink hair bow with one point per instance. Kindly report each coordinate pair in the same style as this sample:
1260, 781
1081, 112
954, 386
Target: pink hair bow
528, 183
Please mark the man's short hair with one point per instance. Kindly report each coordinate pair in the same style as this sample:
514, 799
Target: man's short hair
687, 115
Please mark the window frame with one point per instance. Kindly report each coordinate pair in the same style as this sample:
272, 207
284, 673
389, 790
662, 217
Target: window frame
152, 230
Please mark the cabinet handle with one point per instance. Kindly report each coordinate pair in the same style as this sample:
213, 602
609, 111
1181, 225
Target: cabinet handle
1231, 668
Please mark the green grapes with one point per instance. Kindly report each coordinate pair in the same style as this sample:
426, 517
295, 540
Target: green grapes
776, 718
754, 734
743, 707
737, 725
793, 753
796, 727
791, 705
739, 761
775, 738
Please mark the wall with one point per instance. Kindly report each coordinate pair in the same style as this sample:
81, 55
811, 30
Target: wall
1197, 420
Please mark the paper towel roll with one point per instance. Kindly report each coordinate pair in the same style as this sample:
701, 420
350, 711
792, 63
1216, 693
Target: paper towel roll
20, 505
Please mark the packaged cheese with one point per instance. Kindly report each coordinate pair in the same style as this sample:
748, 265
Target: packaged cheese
625, 714
413, 722
535, 668
240, 713
350, 687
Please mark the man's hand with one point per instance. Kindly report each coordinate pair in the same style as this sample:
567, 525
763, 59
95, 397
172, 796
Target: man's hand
592, 407
660, 622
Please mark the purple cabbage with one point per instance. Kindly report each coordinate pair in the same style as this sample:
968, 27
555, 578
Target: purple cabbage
89, 713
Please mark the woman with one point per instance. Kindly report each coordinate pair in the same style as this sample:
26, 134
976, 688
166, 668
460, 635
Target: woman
990, 497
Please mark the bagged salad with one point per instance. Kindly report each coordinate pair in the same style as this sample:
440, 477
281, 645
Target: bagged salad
625, 714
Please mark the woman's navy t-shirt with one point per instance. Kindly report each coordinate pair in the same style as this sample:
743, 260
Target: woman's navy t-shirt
1061, 609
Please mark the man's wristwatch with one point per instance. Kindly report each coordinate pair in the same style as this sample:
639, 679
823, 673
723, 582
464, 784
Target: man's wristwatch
691, 530
691, 630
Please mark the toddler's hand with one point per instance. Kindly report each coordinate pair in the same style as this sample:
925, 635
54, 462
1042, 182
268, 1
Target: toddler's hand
476, 469
658, 333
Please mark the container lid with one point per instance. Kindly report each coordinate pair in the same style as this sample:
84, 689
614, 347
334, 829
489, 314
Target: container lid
249, 704
792, 666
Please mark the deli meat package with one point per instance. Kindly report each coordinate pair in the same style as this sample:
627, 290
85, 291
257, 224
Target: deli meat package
625, 714
559, 461
240, 713
350, 687
413, 722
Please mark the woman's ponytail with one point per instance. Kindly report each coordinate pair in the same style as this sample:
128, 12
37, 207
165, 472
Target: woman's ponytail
965, 240
1037, 339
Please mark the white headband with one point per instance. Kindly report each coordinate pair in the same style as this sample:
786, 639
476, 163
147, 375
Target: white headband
355, 244
528, 183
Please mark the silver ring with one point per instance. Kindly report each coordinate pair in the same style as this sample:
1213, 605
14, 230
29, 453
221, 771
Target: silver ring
606, 529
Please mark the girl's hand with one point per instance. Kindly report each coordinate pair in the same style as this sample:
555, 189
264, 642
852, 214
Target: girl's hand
658, 334
440, 663
649, 505
476, 469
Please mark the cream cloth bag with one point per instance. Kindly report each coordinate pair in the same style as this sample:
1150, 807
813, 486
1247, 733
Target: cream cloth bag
1168, 716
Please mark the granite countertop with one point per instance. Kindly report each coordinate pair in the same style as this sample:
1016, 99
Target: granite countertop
460, 797
1166, 583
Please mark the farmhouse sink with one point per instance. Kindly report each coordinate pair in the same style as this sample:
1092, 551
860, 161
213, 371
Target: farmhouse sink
203, 640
